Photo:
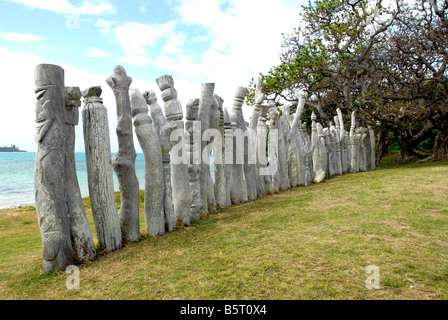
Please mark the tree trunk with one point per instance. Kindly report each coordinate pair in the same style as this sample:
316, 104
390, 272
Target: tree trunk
440, 150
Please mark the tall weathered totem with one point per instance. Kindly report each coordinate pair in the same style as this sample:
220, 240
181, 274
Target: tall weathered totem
49, 172
220, 171
79, 226
205, 178
152, 151
99, 170
229, 164
238, 191
194, 150
124, 159
179, 168
163, 130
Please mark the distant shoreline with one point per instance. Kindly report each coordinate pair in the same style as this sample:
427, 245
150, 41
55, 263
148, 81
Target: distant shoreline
7, 149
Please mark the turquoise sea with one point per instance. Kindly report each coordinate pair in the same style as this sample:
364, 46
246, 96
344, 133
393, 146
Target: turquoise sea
17, 177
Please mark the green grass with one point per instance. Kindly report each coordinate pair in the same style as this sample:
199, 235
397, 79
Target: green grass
307, 243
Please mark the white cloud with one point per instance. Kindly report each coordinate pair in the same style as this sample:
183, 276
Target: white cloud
20, 37
17, 123
246, 37
199, 39
135, 38
94, 7
104, 26
173, 45
94, 52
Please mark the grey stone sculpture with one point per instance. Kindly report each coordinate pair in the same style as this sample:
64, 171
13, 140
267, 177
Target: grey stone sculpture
337, 155
274, 138
238, 190
295, 154
124, 159
262, 145
229, 164
342, 140
204, 115
179, 171
163, 131
49, 170
258, 132
152, 151
348, 146
79, 226
220, 171
249, 167
320, 162
99, 170
372, 148
283, 146
194, 149
308, 150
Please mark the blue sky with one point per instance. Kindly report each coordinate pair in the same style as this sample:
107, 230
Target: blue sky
223, 41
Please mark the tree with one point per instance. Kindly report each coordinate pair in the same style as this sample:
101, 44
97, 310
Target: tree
387, 64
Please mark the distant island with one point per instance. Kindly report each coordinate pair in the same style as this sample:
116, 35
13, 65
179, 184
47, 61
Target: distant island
12, 148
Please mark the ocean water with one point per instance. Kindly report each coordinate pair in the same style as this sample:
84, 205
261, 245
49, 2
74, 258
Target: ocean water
17, 177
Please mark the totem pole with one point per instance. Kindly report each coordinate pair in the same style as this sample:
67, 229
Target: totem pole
229, 164
163, 131
124, 159
372, 148
238, 190
205, 178
194, 149
79, 226
152, 151
99, 170
49, 172
179, 169
259, 130
220, 170
320, 167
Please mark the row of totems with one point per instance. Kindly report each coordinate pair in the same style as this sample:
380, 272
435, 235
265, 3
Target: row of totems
178, 182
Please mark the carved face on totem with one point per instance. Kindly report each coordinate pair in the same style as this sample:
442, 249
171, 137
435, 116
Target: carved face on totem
44, 110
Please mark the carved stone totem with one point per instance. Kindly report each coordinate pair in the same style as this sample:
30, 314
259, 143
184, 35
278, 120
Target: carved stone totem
179, 171
49, 172
262, 144
283, 146
249, 167
220, 171
205, 178
320, 167
342, 141
295, 145
79, 226
152, 151
372, 148
194, 149
258, 135
124, 159
163, 131
229, 165
274, 134
99, 170
238, 190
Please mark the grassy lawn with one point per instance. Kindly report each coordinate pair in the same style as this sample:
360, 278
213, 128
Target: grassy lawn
307, 243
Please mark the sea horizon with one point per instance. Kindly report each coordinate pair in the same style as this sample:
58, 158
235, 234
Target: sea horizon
17, 177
